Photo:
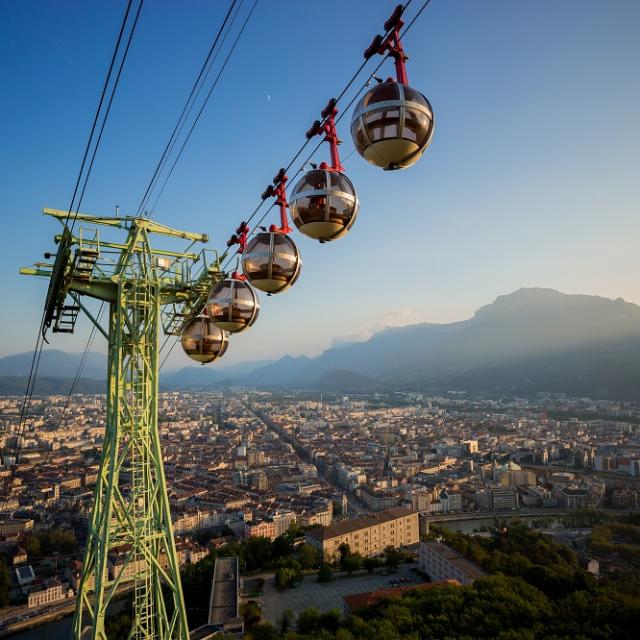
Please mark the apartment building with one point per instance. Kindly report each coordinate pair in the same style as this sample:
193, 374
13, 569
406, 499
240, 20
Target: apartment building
379, 500
50, 591
120, 564
271, 526
369, 535
441, 562
497, 498
317, 517
188, 521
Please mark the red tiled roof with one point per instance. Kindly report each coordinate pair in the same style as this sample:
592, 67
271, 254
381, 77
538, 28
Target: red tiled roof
358, 600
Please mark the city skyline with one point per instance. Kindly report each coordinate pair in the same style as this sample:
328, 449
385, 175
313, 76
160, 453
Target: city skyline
522, 186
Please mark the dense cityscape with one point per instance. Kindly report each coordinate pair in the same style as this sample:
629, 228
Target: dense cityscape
335, 470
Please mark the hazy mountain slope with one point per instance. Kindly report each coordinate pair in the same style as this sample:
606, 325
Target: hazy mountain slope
55, 363
531, 339
48, 386
609, 369
525, 323
210, 375
285, 371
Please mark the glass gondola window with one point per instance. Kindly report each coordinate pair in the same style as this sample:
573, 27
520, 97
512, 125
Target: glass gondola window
392, 125
271, 262
202, 341
233, 305
324, 204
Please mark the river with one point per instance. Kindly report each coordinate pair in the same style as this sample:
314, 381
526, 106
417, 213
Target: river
475, 525
56, 630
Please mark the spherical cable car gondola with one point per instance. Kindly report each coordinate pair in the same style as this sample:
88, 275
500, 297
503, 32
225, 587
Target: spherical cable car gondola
203, 341
233, 304
392, 125
323, 203
271, 262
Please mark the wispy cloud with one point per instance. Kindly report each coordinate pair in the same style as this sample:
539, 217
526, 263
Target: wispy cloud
398, 318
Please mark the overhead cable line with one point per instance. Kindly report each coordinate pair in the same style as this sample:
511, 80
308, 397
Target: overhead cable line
340, 116
317, 147
204, 104
201, 110
108, 110
98, 110
37, 352
83, 361
186, 109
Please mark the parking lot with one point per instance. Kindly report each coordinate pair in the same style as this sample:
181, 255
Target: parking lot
325, 596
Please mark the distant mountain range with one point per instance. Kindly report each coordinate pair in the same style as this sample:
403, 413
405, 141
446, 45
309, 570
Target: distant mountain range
203, 376
530, 340
50, 386
55, 363
527, 341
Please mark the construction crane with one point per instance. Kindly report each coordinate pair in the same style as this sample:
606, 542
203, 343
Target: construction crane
130, 536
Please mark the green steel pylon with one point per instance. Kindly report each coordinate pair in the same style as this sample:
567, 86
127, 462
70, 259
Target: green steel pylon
130, 536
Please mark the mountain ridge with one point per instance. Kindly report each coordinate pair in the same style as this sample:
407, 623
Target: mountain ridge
528, 325
580, 341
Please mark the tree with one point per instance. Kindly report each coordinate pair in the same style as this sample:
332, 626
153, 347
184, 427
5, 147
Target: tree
5, 583
60, 541
264, 631
325, 573
330, 620
281, 547
256, 551
31, 545
308, 556
118, 627
371, 563
250, 611
285, 577
393, 557
351, 563
285, 621
309, 620
196, 586
344, 550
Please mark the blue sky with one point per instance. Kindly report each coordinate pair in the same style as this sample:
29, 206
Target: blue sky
531, 179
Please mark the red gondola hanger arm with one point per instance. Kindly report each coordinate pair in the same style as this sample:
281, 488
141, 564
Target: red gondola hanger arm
279, 190
328, 126
240, 237
391, 44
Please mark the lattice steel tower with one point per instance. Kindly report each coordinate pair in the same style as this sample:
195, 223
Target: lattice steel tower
130, 536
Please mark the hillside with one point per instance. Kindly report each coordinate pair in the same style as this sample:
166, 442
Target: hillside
530, 340
527, 341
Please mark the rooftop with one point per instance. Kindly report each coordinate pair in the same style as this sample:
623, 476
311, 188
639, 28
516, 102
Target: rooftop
359, 600
356, 524
455, 558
